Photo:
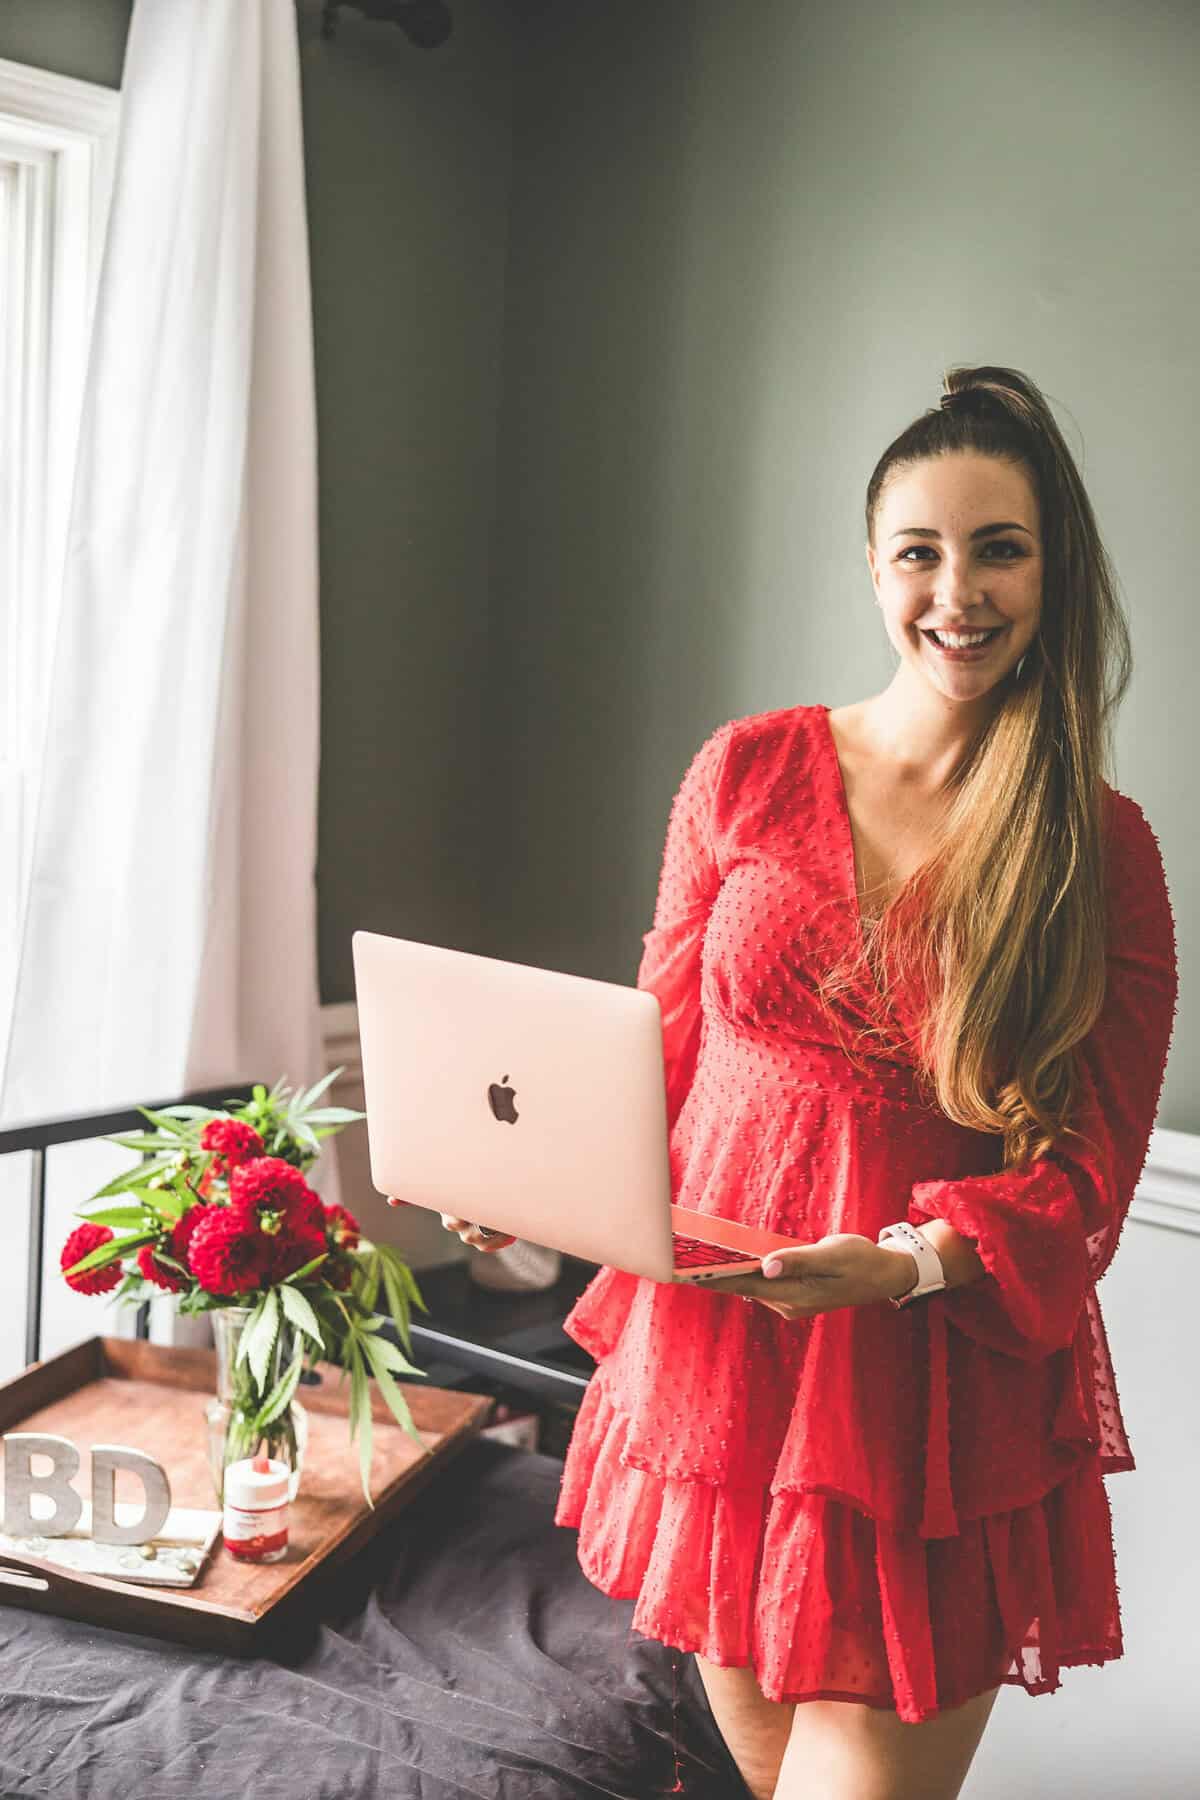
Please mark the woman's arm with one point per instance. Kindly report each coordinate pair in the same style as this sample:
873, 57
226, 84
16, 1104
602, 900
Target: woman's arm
957, 1253
1047, 1233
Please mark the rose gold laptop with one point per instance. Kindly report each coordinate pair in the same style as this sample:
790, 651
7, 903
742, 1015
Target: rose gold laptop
534, 1102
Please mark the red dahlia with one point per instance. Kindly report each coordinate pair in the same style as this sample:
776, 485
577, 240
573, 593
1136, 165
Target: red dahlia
292, 1249
181, 1233
158, 1272
226, 1254
92, 1281
338, 1271
233, 1141
277, 1192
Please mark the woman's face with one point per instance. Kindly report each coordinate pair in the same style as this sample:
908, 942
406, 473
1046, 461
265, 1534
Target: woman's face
957, 547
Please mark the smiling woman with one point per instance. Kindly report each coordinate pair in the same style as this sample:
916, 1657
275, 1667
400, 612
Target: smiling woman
900, 951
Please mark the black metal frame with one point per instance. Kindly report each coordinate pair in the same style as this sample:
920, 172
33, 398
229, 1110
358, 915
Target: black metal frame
38, 1136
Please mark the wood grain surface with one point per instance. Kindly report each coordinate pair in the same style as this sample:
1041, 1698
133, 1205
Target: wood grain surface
151, 1397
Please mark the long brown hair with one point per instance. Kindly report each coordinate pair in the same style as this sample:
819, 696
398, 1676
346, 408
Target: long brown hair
1004, 926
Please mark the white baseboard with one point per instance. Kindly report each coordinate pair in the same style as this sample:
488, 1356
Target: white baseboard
1169, 1191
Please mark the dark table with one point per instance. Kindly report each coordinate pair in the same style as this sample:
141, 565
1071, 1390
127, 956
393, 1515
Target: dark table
513, 1338
462, 1655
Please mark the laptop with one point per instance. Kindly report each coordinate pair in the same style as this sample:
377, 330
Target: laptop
534, 1102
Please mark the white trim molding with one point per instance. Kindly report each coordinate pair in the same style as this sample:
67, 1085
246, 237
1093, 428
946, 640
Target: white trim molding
1168, 1193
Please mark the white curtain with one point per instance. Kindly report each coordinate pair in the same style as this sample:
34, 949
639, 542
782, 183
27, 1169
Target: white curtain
169, 933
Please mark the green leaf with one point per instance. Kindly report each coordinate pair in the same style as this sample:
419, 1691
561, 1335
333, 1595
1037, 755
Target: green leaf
297, 1309
369, 1271
329, 1115
360, 1420
162, 1120
243, 1349
303, 1102
106, 1253
280, 1395
397, 1404
393, 1260
171, 1203
397, 1306
131, 1288
169, 1262
199, 1301
393, 1358
300, 1274
132, 1179
120, 1216
265, 1333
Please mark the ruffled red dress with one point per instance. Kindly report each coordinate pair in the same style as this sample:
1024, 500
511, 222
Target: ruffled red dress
902, 1507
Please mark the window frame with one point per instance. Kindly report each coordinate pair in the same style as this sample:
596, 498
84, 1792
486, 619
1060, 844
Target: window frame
58, 138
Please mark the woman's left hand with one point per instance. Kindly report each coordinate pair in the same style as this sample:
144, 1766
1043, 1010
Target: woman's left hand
839, 1270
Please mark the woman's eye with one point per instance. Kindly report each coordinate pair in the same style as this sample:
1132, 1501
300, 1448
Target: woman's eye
996, 544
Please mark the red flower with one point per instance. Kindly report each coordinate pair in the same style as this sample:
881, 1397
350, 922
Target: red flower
338, 1271
292, 1249
92, 1281
226, 1254
157, 1272
180, 1240
341, 1227
234, 1141
277, 1192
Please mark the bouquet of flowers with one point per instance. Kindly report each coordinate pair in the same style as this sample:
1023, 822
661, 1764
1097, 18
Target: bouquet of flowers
219, 1212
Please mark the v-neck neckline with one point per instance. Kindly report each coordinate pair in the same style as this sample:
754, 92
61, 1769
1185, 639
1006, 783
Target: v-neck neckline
849, 847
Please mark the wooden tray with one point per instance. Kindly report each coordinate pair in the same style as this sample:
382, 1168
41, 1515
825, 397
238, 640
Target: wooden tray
151, 1396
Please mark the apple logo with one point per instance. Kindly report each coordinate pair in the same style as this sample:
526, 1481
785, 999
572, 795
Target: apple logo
500, 1099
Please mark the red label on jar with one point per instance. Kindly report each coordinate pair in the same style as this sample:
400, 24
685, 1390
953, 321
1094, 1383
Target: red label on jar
254, 1548
255, 1534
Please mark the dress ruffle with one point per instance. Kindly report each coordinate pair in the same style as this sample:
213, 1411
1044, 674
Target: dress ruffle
825, 1602
916, 1425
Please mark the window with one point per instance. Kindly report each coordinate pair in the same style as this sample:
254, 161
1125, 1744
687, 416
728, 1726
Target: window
57, 140
57, 148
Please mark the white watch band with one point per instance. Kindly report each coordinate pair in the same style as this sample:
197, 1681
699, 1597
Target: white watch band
930, 1274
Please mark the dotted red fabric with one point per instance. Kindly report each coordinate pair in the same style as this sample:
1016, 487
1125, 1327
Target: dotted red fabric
901, 1507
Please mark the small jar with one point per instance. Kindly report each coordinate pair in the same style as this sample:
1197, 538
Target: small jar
256, 1510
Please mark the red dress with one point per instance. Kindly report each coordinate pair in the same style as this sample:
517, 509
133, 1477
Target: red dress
901, 1507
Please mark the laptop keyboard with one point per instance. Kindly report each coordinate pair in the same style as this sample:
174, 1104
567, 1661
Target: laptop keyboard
691, 1251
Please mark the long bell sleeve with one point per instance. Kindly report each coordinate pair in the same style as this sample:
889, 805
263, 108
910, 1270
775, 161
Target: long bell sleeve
1046, 1234
687, 886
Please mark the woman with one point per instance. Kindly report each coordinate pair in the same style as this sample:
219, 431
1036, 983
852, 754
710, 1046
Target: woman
916, 965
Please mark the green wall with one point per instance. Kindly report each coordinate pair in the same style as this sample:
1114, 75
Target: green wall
615, 307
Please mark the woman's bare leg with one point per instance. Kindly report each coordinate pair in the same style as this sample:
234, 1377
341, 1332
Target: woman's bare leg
755, 1729
842, 1750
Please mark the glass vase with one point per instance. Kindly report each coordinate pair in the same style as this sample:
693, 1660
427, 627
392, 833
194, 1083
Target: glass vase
231, 1412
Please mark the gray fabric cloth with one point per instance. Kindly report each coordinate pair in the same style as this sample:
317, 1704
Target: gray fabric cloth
462, 1653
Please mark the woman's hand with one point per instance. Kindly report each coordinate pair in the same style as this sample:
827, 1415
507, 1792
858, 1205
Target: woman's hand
480, 1237
839, 1270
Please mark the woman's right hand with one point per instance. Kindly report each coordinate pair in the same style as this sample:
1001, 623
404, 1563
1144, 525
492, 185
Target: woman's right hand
468, 1232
